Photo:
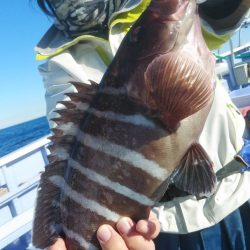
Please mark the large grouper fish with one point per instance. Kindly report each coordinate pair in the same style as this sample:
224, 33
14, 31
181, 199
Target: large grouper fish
118, 145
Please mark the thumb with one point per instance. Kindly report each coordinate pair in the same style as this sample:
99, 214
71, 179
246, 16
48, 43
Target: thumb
109, 239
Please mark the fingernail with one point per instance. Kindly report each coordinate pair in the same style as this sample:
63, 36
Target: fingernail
103, 234
124, 226
143, 227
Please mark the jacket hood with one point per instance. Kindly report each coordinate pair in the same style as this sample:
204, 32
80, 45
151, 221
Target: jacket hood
55, 40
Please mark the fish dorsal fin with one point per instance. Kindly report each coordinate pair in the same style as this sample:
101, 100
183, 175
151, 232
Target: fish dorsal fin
76, 107
195, 174
71, 116
177, 87
48, 217
85, 87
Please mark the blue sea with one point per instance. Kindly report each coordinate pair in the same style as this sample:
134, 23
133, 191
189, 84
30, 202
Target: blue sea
17, 136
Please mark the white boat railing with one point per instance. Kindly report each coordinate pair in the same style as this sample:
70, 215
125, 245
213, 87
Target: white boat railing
19, 177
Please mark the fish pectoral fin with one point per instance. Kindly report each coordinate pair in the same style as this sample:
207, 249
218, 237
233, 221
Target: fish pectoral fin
172, 77
195, 174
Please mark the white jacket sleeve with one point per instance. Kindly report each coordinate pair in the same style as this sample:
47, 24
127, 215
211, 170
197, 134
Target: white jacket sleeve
222, 139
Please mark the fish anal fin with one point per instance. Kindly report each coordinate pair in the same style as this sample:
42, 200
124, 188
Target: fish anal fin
195, 174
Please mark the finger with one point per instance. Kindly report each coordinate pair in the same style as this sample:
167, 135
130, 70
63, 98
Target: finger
133, 239
58, 245
149, 228
109, 239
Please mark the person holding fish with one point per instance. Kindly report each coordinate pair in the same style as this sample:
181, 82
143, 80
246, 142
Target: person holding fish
171, 98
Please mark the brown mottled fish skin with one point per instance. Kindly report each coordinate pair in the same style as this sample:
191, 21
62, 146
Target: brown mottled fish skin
117, 146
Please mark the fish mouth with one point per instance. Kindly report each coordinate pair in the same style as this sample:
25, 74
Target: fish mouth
170, 10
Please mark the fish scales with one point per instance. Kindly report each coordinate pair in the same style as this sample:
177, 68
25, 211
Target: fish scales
118, 146
118, 174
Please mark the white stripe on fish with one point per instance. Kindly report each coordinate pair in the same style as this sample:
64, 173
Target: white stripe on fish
136, 119
77, 237
82, 106
61, 153
82, 200
130, 156
115, 186
69, 128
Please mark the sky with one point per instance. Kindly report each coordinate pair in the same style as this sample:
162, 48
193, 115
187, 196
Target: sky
22, 24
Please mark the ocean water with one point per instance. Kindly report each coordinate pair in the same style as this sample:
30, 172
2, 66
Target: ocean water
19, 135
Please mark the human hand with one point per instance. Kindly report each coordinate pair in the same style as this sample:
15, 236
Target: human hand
131, 236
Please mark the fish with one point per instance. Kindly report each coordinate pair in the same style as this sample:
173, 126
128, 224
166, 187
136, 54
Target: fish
118, 145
